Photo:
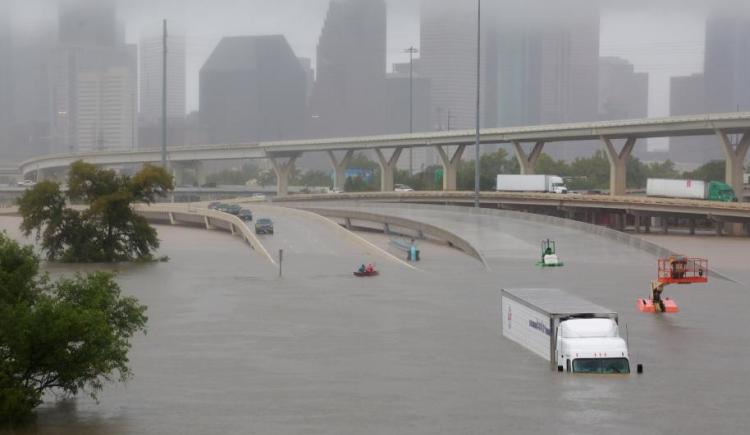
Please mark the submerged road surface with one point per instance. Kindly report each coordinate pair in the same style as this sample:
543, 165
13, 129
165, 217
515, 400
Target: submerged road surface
233, 349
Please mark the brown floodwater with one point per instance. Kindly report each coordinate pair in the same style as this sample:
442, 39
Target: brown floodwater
234, 349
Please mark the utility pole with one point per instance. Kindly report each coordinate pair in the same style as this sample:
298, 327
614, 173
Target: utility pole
476, 143
412, 51
164, 101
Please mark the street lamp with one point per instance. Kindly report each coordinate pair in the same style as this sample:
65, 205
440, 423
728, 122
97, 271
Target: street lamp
412, 51
476, 143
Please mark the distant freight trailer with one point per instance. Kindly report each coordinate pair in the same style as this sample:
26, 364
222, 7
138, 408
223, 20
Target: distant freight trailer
531, 183
573, 334
690, 189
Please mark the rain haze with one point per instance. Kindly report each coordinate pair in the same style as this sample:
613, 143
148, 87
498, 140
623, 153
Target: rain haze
661, 39
349, 186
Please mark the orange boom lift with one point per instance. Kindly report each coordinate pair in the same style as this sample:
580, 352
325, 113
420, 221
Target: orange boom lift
676, 269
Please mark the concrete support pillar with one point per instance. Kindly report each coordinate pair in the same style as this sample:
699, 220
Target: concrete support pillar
735, 169
450, 165
178, 174
736, 155
618, 164
387, 168
200, 174
282, 170
527, 163
664, 225
339, 167
692, 226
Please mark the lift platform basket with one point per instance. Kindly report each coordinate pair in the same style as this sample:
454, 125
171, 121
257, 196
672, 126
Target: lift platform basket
679, 269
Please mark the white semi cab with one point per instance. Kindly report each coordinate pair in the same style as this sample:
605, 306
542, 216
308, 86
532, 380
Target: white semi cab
575, 335
531, 183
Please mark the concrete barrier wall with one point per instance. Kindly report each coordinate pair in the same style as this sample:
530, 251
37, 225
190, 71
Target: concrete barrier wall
419, 227
630, 240
185, 214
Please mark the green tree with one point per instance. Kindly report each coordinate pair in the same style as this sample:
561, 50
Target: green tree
107, 230
549, 166
490, 165
358, 184
590, 173
712, 171
235, 177
664, 169
68, 337
314, 178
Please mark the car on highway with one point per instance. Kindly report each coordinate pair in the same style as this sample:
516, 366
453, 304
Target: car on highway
26, 183
402, 188
213, 205
233, 209
264, 226
259, 196
246, 215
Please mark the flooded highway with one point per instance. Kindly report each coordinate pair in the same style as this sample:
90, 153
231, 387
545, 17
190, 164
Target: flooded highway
234, 349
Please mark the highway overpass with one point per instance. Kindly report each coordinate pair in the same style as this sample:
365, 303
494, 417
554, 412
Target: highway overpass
528, 143
613, 211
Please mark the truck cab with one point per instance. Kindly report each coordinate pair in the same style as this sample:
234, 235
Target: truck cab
718, 191
557, 184
591, 345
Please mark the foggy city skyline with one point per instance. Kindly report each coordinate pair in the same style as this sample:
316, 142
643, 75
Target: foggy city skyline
660, 43
679, 34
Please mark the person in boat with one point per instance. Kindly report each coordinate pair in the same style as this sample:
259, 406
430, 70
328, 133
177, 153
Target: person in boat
362, 268
370, 268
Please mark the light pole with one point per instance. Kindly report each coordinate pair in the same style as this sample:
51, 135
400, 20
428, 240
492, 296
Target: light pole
164, 99
476, 143
412, 51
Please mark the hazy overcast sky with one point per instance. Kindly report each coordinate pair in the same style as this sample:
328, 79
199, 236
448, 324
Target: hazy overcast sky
659, 39
663, 38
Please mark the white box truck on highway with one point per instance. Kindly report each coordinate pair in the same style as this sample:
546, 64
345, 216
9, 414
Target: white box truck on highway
531, 183
690, 189
573, 334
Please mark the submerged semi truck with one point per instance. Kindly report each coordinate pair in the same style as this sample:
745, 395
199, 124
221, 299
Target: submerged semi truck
690, 189
573, 334
531, 183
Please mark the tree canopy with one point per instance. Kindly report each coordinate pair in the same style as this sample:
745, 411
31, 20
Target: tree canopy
106, 229
69, 336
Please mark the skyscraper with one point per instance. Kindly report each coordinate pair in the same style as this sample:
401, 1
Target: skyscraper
723, 87
89, 22
541, 65
448, 60
252, 88
349, 94
94, 77
150, 52
623, 93
570, 64
688, 97
727, 62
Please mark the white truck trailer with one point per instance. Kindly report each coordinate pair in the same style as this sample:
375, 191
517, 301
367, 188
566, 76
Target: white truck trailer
531, 183
573, 334
690, 189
